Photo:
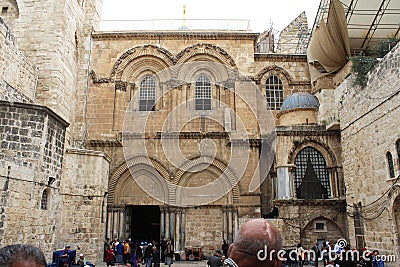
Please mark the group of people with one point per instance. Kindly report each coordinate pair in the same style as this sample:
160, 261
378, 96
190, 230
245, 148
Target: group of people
134, 253
340, 256
257, 244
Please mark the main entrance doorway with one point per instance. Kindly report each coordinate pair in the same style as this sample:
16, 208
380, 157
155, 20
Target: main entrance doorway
145, 222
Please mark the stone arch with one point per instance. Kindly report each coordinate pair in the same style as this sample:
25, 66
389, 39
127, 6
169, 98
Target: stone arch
309, 233
324, 149
146, 164
161, 59
205, 52
262, 76
394, 212
220, 167
217, 72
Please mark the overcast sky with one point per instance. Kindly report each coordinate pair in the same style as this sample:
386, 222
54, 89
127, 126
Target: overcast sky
261, 13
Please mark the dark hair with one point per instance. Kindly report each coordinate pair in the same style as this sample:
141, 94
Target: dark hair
21, 253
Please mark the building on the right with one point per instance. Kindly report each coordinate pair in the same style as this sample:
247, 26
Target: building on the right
348, 36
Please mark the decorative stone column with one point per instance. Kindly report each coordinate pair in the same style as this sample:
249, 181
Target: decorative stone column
284, 183
121, 226
167, 223
225, 223
333, 182
162, 222
178, 213
172, 224
109, 225
230, 225
183, 225
235, 222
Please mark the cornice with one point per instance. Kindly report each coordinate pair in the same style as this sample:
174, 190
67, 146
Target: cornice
304, 130
156, 35
280, 57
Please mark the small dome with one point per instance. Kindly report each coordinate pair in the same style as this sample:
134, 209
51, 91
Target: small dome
300, 100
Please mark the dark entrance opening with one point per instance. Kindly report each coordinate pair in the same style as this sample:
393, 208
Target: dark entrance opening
145, 223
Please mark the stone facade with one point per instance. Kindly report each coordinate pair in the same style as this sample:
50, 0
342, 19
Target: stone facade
368, 136
79, 158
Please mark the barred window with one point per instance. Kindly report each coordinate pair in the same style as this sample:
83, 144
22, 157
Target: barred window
398, 151
390, 164
147, 94
274, 92
202, 93
43, 201
311, 169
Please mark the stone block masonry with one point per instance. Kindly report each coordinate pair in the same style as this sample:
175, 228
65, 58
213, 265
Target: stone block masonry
17, 75
31, 152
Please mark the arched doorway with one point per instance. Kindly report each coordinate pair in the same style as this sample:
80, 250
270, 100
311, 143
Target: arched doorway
320, 229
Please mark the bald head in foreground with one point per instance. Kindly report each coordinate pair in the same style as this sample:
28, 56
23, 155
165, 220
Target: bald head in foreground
248, 249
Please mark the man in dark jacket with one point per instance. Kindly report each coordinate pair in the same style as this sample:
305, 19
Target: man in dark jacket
215, 260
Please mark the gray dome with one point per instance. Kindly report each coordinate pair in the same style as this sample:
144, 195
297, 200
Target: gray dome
300, 100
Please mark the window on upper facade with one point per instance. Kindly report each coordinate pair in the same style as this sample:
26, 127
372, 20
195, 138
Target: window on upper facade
44, 200
274, 92
390, 164
147, 94
202, 93
311, 176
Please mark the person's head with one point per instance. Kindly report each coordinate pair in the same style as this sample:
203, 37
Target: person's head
67, 247
22, 255
375, 252
254, 236
81, 256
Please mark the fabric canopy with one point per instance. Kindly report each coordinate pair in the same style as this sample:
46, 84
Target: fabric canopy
329, 48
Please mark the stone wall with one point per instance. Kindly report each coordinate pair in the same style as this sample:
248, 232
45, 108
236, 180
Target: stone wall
17, 75
368, 117
54, 48
204, 228
83, 209
297, 220
294, 38
31, 158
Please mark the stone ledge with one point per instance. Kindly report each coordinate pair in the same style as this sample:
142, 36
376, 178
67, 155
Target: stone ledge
35, 107
88, 152
207, 35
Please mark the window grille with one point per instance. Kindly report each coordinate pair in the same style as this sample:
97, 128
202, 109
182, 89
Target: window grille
202, 93
43, 201
274, 92
147, 94
319, 166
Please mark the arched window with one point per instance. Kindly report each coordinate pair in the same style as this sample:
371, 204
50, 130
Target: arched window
44, 200
311, 176
202, 93
390, 164
147, 94
274, 92
398, 151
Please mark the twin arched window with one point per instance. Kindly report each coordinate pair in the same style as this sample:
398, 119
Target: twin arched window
147, 94
311, 176
203, 93
274, 92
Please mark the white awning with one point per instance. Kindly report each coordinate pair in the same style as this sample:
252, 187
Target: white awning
367, 22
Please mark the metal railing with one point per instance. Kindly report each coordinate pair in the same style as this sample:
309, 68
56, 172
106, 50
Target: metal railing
176, 25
